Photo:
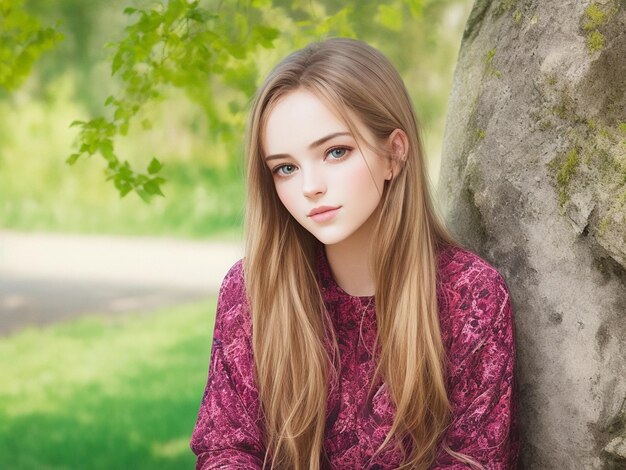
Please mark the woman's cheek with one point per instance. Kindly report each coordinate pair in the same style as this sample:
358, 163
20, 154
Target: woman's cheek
357, 179
286, 196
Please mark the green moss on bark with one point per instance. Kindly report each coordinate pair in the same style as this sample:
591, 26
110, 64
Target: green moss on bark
595, 41
491, 70
565, 167
595, 17
568, 168
503, 6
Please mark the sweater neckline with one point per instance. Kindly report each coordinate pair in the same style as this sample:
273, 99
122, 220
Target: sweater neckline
333, 292
329, 284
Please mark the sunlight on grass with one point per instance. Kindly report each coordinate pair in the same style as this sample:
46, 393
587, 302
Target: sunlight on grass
103, 392
172, 448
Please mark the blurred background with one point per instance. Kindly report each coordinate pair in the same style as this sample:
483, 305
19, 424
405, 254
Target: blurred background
121, 201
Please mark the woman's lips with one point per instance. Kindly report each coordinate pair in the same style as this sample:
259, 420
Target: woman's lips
324, 216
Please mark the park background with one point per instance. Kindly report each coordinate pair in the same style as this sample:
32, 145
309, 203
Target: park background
84, 386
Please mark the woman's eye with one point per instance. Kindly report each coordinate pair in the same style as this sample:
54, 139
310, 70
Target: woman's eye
284, 169
338, 152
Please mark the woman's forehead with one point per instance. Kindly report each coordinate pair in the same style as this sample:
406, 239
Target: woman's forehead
300, 118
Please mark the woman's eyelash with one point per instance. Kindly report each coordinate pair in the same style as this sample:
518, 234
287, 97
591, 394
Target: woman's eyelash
347, 149
277, 169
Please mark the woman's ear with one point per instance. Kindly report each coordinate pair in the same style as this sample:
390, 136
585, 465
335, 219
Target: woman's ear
398, 144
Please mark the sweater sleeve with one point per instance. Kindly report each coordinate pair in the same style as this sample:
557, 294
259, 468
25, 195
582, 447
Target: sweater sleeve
482, 381
228, 432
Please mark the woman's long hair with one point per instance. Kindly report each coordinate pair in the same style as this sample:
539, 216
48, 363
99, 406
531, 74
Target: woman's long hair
292, 332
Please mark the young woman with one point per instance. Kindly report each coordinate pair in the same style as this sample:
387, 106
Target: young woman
355, 333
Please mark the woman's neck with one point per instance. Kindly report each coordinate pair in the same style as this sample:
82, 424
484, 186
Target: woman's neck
349, 262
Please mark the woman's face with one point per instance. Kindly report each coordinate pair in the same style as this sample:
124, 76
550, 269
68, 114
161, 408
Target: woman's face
316, 165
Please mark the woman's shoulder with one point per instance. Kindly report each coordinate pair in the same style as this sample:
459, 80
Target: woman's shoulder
458, 266
232, 321
232, 288
471, 292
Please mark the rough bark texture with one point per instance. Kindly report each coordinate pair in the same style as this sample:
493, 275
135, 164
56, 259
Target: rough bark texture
533, 178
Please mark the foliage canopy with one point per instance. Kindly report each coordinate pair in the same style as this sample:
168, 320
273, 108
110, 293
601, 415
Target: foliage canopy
210, 51
22, 40
213, 52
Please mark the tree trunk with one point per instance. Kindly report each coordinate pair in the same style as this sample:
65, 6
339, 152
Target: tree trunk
533, 178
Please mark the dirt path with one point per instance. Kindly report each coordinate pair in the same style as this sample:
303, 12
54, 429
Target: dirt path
46, 278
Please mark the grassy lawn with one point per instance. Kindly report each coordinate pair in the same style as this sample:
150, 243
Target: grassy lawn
105, 392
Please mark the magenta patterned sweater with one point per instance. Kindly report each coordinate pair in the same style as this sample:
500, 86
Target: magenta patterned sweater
478, 332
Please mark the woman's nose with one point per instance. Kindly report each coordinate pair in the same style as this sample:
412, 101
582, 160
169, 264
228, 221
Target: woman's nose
313, 184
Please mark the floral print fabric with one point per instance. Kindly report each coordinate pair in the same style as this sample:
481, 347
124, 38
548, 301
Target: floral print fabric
478, 332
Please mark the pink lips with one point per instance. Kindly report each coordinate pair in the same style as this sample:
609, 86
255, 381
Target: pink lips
324, 213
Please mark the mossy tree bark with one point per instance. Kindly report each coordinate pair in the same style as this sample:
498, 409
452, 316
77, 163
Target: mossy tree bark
533, 178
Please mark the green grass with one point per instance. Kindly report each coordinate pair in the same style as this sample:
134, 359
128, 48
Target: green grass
105, 392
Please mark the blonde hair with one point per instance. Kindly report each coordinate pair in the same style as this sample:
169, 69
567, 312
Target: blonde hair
291, 327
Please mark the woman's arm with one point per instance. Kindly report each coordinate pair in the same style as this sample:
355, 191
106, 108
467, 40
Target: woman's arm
228, 433
483, 389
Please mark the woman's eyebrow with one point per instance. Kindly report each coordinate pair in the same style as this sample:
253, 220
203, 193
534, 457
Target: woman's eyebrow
316, 143
319, 142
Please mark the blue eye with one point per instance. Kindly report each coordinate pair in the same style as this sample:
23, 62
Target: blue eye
338, 152
280, 169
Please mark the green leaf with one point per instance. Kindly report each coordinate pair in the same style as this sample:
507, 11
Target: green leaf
265, 35
106, 149
125, 190
390, 16
117, 63
233, 106
72, 158
200, 15
77, 123
154, 166
144, 195
22, 41
416, 7
152, 187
